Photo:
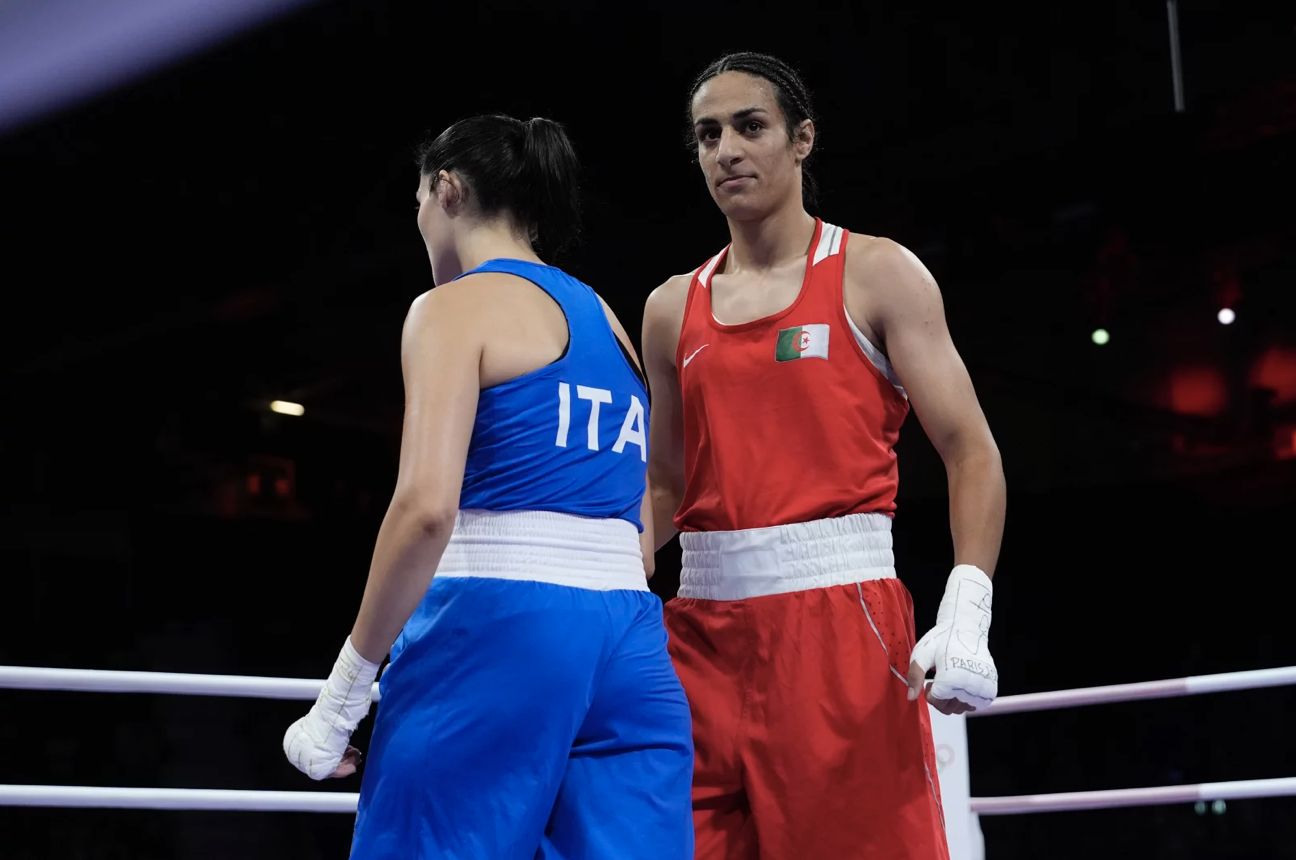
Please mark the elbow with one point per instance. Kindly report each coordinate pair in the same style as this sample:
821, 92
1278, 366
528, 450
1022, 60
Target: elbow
666, 497
422, 514
431, 522
990, 454
986, 456
979, 452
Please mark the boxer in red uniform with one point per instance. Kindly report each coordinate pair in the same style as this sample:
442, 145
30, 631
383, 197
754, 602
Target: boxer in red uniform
781, 372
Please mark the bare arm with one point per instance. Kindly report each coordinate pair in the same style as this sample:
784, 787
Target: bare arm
663, 316
903, 306
646, 545
441, 352
645, 509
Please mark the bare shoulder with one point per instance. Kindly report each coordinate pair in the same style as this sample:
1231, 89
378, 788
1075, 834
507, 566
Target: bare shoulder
886, 285
423, 310
879, 264
668, 299
663, 318
462, 302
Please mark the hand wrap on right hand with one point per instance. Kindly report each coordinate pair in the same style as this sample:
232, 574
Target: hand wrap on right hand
316, 743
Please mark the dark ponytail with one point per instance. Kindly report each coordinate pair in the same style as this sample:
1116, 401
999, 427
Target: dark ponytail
525, 171
553, 198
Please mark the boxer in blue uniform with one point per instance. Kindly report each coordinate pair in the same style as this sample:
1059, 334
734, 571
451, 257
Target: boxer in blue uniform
530, 709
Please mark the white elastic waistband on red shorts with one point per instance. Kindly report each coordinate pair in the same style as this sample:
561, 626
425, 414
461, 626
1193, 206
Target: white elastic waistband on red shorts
735, 565
540, 546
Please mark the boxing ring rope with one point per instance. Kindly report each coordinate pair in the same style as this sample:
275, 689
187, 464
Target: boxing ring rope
1074, 800
228, 801
101, 681
178, 798
1192, 686
87, 680
253, 687
338, 801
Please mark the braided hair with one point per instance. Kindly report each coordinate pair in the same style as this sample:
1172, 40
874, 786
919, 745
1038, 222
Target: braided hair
789, 91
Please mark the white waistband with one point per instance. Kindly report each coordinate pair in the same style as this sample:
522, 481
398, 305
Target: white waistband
746, 563
541, 546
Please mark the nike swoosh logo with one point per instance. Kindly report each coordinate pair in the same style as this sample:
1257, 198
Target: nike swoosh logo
689, 358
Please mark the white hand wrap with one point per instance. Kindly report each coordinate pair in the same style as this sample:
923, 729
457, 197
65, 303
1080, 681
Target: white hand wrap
958, 646
316, 743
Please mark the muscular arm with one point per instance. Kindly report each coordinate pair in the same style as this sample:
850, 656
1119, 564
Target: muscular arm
646, 545
441, 350
902, 305
663, 315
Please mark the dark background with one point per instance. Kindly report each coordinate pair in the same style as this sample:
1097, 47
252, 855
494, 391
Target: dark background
239, 227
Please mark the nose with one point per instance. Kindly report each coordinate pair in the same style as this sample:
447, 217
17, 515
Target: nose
730, 150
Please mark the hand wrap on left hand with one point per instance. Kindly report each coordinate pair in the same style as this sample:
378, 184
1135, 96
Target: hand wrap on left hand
958, 646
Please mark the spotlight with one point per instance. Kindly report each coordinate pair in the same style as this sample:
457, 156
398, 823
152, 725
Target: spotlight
1218, 807
1227, 316
1200, 807
283, 407
1100, 336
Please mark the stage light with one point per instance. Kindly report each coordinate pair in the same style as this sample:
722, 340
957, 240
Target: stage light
1227, 316
283, 407
1218, 807
1200, 807
1100, 336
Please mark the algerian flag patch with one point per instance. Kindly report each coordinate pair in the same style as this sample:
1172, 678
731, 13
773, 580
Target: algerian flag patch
804, 341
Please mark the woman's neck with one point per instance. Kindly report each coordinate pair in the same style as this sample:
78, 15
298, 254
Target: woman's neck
768, 242
485, 242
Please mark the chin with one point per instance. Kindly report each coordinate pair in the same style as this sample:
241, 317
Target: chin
743, 208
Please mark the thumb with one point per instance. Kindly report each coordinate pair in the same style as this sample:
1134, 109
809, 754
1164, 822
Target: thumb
921, 660
917, 677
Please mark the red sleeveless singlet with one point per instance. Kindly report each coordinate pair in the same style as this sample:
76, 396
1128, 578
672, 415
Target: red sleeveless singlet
786, 419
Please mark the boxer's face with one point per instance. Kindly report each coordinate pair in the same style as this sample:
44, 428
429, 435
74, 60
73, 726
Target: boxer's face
750, 163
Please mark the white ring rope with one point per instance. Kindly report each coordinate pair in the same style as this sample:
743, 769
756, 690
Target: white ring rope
1073, 800
1192, 686
99, 681
102, 681
178, 798
336, 801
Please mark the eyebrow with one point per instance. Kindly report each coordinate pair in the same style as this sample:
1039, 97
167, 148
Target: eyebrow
738, 115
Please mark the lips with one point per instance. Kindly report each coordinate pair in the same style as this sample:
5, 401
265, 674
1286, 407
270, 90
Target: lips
733, 181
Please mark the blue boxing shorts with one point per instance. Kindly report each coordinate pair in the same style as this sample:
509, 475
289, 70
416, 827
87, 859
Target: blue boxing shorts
526, 719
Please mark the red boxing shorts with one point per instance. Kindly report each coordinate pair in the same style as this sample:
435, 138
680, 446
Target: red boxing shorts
793, 646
